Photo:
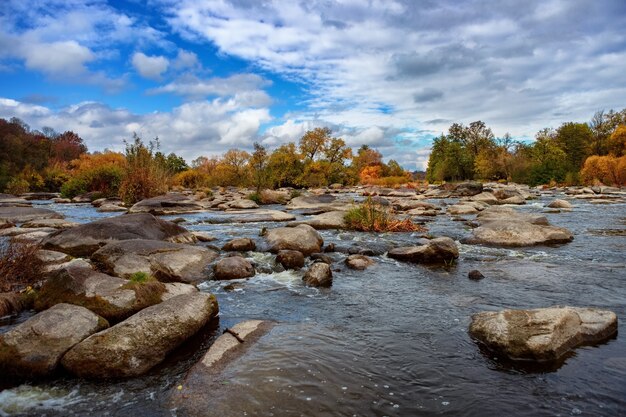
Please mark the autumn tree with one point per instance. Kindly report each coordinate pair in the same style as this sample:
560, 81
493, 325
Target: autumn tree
285, 166
616, 144
314, 142
258, 166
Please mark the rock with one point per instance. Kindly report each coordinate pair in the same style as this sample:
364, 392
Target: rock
172, 203
110, 297
35, 347
87, 238
111, 208
25, 214
204, 236
39, 196
359, 262
543, 334
173, 289
134, 346
61, 200
405, 204
485, 197
468, 189
475, 275
435, 251
458, 209
242, 204
191, 397
318, 275
290, 259
328, 220
302, 238
321, 257
233, 267
560, 204
518, 200
509, 214
324, 202
242, 244
166, 261
52, 257
518, 233
51, 223
251, 216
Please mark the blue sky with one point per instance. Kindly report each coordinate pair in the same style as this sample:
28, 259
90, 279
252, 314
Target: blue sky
206, 76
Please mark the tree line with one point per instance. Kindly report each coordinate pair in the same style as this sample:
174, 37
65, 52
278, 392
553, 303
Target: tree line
573, 153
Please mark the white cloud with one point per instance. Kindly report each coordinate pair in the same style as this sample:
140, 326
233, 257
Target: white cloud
151, 67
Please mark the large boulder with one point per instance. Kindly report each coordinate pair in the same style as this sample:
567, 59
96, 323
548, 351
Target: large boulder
468, 189
302, 238
25, 214
323, 221
440, 250
318, 275
241, 204
87, 238
509, 214
172, 203
543, 334
137, 344
320, 203
233, 267
166, 261
35, 347
110, 297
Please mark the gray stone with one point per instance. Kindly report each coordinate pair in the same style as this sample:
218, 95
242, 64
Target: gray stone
172, 203
134, 346
25, 214
359, 262
302, 238
166, 261
241, 244
233, 267
440, 250
87, 238
290, 259
35, 347
543, 334
318, 275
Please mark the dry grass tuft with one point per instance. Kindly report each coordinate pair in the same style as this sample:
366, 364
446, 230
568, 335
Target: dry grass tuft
20, 267
373, 217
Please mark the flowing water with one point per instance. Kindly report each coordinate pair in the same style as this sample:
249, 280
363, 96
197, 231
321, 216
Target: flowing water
388, 341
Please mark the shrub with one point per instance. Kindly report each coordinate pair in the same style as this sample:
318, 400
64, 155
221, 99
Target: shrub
192, 179
104, 179
372, 217
20, 267
256, 197
17, 186
145, 175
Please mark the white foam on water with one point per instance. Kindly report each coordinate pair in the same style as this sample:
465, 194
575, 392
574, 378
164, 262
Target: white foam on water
26, 398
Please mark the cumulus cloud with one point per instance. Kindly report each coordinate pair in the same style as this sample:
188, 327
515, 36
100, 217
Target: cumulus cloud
151, 67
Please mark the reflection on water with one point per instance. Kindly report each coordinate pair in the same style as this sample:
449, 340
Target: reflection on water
390, 340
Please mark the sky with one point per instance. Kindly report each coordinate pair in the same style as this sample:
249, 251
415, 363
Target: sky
208, 76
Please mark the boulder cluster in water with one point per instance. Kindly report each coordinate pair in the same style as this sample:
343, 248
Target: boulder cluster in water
119, 294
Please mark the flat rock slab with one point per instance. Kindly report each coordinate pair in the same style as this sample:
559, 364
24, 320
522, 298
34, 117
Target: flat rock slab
137, 344
513, 233
251, 216
328, 220
35, 347
25, 214
543, 334
83, 240
166, 261
173, 203
191, 394
51, 223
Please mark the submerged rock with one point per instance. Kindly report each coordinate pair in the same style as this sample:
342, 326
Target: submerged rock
475, 275
134, 346
318, 275
166, 261
436, 251
233, 267
87, 238
543, 334
302, 238
35, 347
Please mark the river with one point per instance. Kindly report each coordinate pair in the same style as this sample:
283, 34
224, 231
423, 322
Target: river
388, 341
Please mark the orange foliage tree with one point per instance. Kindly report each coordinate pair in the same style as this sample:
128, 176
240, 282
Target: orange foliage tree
606, 169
